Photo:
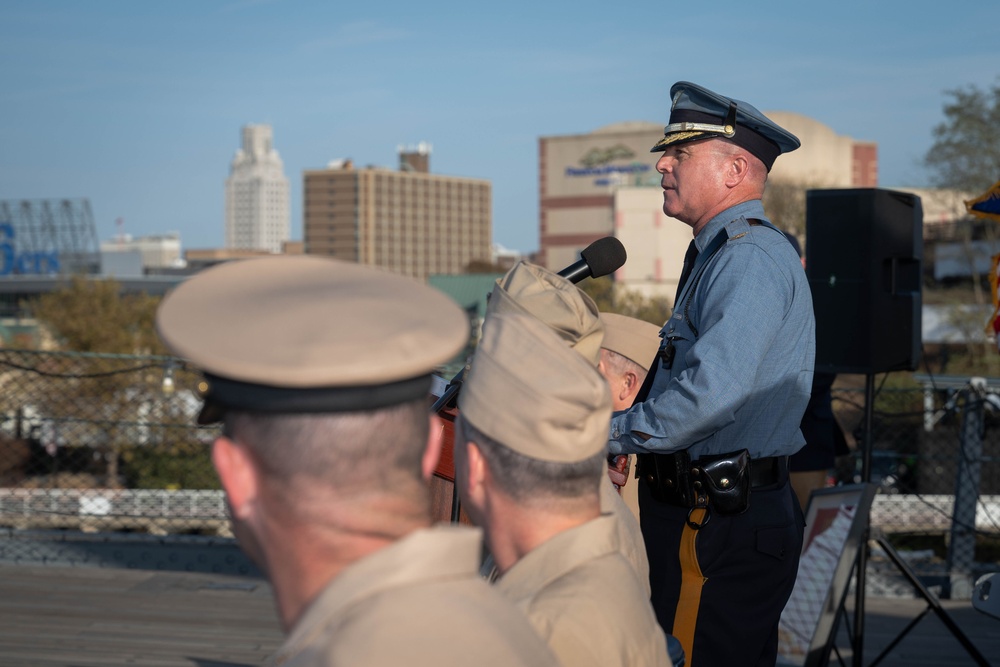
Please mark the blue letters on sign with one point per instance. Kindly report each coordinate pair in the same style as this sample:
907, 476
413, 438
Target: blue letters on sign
6, 249
26, 262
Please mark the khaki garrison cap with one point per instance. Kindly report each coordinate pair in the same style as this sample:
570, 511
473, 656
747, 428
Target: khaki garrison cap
532, 290
531, 392
301, 334
634, 339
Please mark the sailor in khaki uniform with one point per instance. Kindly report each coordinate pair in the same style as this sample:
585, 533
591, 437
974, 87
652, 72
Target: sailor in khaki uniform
529, 460
320, 371
627, 351
529, 289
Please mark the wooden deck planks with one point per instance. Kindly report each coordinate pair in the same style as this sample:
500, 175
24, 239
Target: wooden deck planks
85, 617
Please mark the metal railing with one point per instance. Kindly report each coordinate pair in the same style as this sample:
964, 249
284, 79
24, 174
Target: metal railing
98, 444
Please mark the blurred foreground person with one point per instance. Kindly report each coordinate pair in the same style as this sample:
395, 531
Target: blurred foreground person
532, 290
529, 462
320, 371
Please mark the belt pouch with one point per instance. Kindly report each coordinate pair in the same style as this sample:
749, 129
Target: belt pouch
670, 478
727, 481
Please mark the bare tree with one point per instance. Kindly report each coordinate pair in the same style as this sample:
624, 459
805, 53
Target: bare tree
965, 154
785, 204
613, 298
91, 316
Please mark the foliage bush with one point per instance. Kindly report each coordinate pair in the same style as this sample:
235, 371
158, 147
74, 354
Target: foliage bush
176, 466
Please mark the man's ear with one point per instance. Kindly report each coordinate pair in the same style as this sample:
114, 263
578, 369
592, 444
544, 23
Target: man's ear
630, 385
238, 473
476, 468
739, 168
432, 451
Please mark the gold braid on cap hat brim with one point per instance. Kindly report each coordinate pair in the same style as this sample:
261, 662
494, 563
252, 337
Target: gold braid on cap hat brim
687, 130
674, 137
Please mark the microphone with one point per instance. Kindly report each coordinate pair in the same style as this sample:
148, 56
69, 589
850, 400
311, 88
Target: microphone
600, 258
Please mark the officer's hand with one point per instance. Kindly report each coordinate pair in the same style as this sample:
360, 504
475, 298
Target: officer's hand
618, 470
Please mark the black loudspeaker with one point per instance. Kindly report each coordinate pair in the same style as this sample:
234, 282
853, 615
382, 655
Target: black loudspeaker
864, 250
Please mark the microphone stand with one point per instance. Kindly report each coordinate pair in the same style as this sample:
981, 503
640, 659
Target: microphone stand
448, 400
449, 397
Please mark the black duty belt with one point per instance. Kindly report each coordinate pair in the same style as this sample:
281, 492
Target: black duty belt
721, 483
770, 471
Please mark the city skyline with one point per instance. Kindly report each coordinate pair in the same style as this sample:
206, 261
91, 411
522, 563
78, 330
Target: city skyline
138, 106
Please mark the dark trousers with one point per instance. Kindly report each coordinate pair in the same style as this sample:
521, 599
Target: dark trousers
749, 563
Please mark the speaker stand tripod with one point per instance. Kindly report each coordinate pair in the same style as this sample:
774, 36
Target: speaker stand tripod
933, 604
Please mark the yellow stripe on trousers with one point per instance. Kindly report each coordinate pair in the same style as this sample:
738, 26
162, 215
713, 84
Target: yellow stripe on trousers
692, 581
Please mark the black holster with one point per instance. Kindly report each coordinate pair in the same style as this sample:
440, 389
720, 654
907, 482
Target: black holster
721, 482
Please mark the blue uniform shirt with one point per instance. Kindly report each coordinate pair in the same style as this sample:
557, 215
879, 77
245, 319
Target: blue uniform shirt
745, 347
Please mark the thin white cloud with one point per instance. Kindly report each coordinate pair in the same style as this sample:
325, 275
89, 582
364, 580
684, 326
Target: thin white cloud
246, 4
354, 34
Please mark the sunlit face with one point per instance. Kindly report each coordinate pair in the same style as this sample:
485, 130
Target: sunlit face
693, 179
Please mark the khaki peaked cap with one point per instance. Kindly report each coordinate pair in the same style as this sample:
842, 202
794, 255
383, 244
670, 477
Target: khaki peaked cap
305, 334
530, 289
531, 392
636, 340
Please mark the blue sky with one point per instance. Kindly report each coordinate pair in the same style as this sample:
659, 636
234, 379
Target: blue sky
138, 105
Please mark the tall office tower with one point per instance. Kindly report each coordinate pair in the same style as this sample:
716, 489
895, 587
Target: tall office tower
257, 204
408, 221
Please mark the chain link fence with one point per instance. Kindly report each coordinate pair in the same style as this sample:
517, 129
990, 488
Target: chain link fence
935, 457
95, 447
99, 445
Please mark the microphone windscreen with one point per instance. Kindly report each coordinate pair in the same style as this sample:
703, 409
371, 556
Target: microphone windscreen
604, 256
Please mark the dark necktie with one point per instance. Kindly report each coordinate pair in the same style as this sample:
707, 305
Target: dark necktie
689, 258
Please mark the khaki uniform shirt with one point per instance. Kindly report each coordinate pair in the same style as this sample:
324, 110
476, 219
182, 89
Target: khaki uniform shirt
584, 599
417, 602
633, 548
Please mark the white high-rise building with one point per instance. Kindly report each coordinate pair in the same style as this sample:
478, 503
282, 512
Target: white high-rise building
257, 204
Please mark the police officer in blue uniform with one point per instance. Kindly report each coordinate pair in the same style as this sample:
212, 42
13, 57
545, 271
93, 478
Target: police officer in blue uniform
722, 404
